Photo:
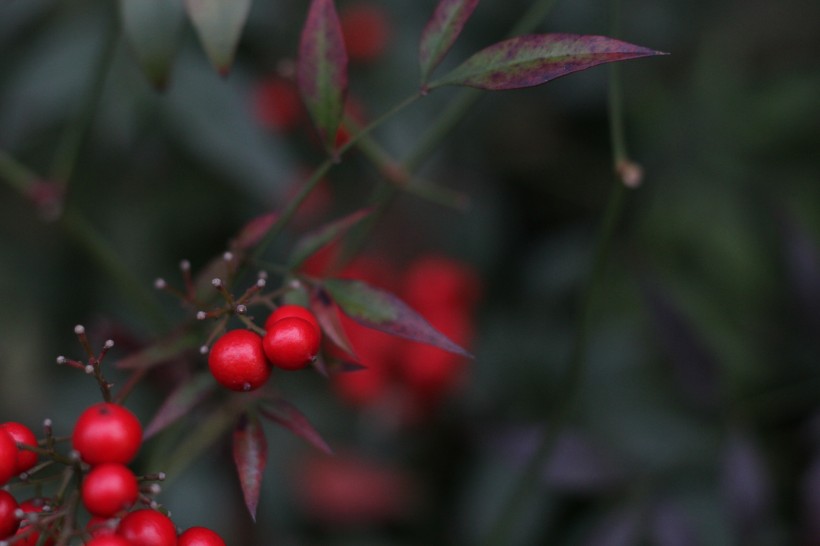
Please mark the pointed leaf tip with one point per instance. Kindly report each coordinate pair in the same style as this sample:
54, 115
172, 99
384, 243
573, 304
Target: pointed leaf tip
527, 61
287, 415
219, 24
441, 32
321, 70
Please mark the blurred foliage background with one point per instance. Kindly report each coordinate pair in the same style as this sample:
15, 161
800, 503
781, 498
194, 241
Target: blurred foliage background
698, 417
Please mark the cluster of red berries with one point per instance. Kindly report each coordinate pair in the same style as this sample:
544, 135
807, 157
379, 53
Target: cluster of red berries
106, 438
242, 360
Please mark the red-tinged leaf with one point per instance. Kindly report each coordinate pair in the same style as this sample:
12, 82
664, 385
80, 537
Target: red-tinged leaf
254, 231
321, 71
181, 401
383, 311
526, 61
328, 317
153, 29
320, 238
250, 454
164, 350
219, 24
287, 415
441, 32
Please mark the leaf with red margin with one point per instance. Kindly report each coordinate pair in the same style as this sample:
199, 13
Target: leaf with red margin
320, 238
285, 414
383, 311
526, 61
321, 70
441, 32
219, 24
181, 401
153, 29
250, 454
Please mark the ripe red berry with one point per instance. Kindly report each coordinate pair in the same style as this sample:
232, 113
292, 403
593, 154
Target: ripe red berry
109, 540
148, 528
366, 31
8, 457
108, 489
107, 433
8, 519
238, 362
291, 343
292, 311
31, 536
200, 536
22, 435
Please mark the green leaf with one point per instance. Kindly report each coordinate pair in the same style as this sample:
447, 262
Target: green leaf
153, 29
250, 454
219, 24
285, 414
316, 240
180, 402
321, 71
383, 311
441, 32
526, 61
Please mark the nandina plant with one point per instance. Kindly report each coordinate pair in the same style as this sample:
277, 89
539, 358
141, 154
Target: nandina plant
263, 307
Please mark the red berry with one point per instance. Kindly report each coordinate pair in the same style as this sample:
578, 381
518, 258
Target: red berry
292, 311
107, 433
277, 105
8, 520
8, 457
22, 435
32, 537
108, 489
109, 540
366, 31
238, 362
291, 343
200, 536
148, 528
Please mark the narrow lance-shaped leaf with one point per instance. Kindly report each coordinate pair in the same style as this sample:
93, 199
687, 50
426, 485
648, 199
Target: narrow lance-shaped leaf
321, 71
322, 306
285, 414
250, 454
441, 32
383, 311
526, 61
219, 24
153, 29
318, 239
181, 401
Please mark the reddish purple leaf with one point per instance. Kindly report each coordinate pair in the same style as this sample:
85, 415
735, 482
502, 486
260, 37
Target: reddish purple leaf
526, 61
321, 71
250, 454
381, 310
284, 413
320, 238
181, 401
328, 317
441, 32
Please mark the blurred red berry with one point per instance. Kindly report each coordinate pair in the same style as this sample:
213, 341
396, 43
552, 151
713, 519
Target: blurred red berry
100, 526
148, 528
26, 530
200, 536
238, 362
8, 519
110, 540
22, 435
366, 30
435, 282
277, 104
107, 433
292, 343
109, 489
8, 457
290, 310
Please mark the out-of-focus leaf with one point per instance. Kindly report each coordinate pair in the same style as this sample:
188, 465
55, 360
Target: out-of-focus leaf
328, 317
526, 61
746, 485
219, 24
182, 400
316, 240
284, 413
153, 29
441, 32
802, 260
250, 454
619, 528
321, 70
670, 526
168, 348
810, 501
383, 311
254, 231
